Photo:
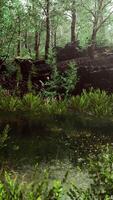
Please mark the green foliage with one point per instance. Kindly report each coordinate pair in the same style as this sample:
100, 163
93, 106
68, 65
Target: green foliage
31, 103
71, 78
11, 188
101, 169
55, 107
95, 102
19, 21
9, 103
51, 59
56, 192
61, 83
101, 172
79, 194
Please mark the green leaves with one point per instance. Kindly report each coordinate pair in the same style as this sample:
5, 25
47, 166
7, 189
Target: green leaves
31, 103
61, 83
9, 103
95, 102
100, 171
99, 168
12, 189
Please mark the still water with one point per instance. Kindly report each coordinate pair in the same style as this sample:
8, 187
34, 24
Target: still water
59, 146
56, 140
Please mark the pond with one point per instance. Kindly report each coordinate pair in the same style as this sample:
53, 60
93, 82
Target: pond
59, 145
59, 139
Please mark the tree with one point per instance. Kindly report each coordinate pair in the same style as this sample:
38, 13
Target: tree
100, 11
32, 28
47, 44
70, 9
73, 22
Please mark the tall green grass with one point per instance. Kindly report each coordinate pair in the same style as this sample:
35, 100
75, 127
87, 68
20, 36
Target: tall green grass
95, 102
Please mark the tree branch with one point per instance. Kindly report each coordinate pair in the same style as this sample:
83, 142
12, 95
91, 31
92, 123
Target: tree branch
88, 9
104, 20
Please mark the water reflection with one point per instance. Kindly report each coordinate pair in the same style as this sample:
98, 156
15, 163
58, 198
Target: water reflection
34, 144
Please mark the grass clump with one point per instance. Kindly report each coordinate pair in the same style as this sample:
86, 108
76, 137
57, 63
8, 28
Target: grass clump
32, 103
55, 107
95, 102
9, 104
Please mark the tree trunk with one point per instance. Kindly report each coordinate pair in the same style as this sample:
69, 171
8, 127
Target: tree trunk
47, 45
37, 44
93, 43
19, 38
55, 38
73, 23
25, 40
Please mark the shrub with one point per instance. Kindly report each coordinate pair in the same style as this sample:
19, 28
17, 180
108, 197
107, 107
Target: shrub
71, 78
55, 107
101, 172
61, 83
9, 103
32, 103
79, 103
100, 104
95, 102
12, 188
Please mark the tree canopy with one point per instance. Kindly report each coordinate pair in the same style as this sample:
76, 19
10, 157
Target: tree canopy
32, 28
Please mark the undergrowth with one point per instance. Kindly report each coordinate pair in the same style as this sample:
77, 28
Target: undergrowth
95, 102
100, 170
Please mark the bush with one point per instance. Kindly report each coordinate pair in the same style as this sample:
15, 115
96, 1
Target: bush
32, 103
11, 188
61, 84
95, 102
9, 103
101, 172
55, 107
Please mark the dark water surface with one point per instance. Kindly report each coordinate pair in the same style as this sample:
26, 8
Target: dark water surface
57, 140
58, 144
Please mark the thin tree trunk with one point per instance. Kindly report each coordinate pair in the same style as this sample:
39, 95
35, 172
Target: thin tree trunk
55, 38
73, 23
19, 40
37, 44
93, 43
47, 44
25, 40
